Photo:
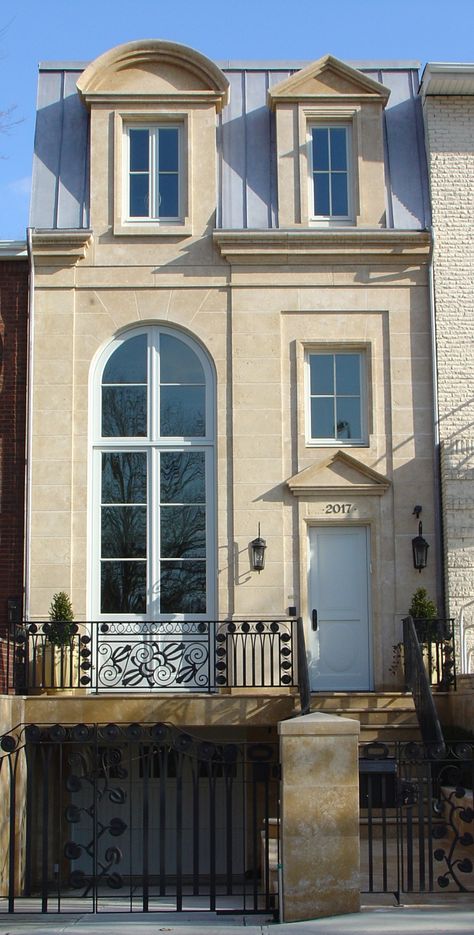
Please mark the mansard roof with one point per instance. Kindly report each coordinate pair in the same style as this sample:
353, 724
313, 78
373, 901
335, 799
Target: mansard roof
245, 133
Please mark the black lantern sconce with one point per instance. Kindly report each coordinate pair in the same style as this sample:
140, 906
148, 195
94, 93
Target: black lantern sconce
257, 552
419, 544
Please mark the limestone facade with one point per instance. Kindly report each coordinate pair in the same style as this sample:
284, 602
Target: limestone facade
259, 302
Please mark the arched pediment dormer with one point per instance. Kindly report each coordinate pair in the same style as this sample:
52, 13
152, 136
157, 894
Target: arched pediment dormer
155, 69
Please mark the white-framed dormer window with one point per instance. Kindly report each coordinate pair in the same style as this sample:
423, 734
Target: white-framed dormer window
330, 168
336, 397
153, 173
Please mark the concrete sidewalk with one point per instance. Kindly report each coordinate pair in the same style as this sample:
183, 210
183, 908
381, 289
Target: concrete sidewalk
425, 919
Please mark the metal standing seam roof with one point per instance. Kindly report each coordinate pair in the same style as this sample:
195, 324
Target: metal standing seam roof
247, 190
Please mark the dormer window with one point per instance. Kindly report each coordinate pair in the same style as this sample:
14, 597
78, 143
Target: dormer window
330, 172
153, 173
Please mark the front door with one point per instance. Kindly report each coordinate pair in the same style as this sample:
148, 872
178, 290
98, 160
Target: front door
338, 634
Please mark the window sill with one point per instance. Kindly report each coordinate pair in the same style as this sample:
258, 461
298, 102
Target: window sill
337, 443
137, 229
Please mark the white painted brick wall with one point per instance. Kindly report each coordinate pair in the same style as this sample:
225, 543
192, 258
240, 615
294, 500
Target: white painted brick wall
449, 123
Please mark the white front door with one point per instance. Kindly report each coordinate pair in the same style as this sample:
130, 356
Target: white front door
338, 630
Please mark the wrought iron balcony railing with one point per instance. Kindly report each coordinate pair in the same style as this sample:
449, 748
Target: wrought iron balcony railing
130, 656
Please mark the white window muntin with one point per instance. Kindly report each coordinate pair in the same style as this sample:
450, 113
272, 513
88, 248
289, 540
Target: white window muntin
153, 445
153, 392
332, 400
155, 169
331, 172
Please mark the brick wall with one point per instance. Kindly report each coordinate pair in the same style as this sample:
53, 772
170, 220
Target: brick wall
449, 125
13, 332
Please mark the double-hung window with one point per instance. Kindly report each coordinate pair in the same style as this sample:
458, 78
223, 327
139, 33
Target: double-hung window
330, 172
154, 172
336, 398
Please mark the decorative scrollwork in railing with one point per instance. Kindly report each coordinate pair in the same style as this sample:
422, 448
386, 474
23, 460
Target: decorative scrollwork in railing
147, 655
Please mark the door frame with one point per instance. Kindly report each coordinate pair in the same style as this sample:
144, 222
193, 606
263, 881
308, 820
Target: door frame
317, 522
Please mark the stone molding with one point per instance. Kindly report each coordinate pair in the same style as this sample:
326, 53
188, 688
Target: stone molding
239, 246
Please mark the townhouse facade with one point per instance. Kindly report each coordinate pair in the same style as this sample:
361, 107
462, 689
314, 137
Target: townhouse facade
231, 450
257, 263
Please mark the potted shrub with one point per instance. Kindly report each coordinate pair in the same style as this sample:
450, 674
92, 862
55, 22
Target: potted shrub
59, 632
61, 626
428, 626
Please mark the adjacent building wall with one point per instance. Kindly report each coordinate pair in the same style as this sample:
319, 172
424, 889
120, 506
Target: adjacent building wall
13, 331
449, 120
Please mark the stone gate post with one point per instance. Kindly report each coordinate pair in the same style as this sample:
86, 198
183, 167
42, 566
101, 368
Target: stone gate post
319, 816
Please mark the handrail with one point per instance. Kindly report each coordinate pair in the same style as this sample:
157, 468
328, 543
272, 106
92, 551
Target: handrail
161, 655
303, 671
418, 683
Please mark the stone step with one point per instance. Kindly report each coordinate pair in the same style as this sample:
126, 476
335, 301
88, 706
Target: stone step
321, 701
383, 716
378, 716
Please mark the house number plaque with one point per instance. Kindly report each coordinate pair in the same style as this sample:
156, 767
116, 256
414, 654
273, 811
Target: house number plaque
336, 508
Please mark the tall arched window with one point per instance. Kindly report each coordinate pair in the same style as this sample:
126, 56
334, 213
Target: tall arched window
153, 450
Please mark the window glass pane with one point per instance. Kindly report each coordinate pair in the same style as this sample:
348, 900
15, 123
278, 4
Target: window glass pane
322, 374
348, 374
321, 194
348, 418
183, 587
168, 150
183, 532
179, 364
123, 532
139, 196
123, 587
182, 477
168, 190
340, 205
182, 411
322, 418
139, 150
338, 148
124, 411
320, 149
124, 477
128, 363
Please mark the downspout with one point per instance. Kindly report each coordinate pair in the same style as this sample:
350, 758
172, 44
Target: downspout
438, 517
29, 423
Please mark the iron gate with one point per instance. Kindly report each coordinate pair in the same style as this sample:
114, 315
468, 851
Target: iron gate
416, 817
137, 818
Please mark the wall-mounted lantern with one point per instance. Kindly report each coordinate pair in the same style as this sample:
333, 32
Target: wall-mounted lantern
257, 552
419, 545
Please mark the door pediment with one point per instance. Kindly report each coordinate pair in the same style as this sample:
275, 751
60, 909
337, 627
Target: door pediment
338, 474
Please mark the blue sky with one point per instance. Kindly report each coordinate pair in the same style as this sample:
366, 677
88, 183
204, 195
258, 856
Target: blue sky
59, 30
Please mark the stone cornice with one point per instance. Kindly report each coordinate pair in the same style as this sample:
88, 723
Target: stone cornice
71, 244
240, 246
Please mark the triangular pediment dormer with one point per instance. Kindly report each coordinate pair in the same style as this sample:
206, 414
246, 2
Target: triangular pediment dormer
328, 79
340, 474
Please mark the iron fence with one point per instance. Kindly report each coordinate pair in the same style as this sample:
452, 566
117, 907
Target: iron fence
120, 656
417, 817
137, 817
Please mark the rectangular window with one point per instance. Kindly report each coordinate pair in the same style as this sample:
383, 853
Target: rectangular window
330, 172
153, 173
336, 397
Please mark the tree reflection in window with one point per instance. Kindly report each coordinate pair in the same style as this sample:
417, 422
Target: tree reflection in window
155, 493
